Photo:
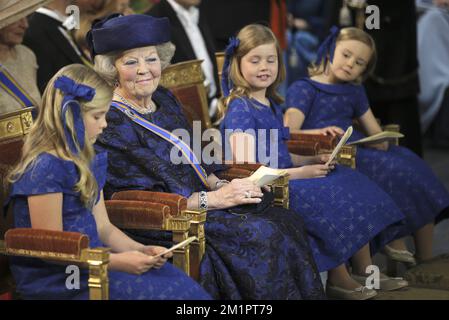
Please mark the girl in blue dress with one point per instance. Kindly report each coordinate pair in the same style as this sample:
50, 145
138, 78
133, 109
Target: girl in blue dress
343, 211
331, 99
58, 186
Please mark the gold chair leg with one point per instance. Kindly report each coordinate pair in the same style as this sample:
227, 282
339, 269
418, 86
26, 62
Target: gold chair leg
198, 247
180, 227
98, 260
281, 193
347, 156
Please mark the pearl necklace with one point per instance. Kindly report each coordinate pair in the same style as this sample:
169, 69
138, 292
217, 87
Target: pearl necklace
141, 110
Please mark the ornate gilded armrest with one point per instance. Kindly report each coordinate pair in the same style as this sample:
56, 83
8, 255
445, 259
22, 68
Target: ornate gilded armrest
395, 128
70, 247
145, 215
326, 144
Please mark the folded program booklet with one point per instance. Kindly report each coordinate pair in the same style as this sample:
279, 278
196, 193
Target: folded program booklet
265, 175
378, 138
340, 144
177, 246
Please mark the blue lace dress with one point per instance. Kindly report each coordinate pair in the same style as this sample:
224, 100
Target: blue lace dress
402, 174
37, 279
249, 256
342, 212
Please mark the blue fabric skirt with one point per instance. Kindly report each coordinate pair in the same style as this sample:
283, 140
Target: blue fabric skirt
408, 180
343, 212
259, 256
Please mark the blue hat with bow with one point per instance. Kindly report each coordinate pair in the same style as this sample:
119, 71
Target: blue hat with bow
73, 92
119, 33
328, 46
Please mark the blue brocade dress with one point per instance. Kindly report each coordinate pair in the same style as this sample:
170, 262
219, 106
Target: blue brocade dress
37, 279
342, 212
253, 256
398, 171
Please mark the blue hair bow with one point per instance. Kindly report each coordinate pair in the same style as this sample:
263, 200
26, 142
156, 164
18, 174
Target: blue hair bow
226, 83
73, 91
328, 46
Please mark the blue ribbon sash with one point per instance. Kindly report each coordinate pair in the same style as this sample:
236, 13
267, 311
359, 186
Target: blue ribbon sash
12, 87
164, 134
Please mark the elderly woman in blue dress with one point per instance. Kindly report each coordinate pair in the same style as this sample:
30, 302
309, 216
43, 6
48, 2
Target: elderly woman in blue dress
248, 256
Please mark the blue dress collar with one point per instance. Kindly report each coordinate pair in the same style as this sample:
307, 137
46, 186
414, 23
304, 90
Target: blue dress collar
341, 88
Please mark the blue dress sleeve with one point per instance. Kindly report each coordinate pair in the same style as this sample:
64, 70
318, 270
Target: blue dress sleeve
300, 95
239, 116
46, 175
362, 103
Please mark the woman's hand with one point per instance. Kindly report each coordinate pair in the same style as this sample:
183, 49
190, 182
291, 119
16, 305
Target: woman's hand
133, 262
311, 171
383, 146
237, 192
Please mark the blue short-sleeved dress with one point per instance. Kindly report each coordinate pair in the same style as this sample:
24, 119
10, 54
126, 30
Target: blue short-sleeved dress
37, 279
342, 212
398, 171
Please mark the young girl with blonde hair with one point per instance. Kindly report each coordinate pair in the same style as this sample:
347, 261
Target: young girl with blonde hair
328, 102
58, 186
343, 211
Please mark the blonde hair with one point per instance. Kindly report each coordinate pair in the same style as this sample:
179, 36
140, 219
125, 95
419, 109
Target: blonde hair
47, 133
104, 64
250, 37
350, 33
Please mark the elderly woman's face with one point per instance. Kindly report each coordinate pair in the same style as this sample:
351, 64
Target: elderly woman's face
12, 35
139, 71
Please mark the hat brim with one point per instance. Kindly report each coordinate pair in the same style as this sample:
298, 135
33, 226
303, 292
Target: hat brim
19, 10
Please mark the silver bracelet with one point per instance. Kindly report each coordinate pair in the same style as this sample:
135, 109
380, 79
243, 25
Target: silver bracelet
202, 200
220, 183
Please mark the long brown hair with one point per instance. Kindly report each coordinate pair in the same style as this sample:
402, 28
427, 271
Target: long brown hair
250, 37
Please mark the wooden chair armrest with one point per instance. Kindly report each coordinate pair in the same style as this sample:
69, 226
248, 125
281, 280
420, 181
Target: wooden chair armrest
304, 148
135, 214
325, 142
176, 202
45, 243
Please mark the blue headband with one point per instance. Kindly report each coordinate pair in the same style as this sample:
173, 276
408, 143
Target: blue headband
73, 91
226, 83
328, 46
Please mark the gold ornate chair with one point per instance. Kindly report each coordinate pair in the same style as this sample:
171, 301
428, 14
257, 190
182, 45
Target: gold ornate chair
43, 244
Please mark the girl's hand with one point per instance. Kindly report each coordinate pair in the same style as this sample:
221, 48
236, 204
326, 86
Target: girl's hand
235, 193
134, 262
313, 171
324, 158
383, 146
331, 131
155, 250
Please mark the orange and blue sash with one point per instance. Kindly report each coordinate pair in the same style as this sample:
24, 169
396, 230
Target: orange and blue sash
11, 86
164, 134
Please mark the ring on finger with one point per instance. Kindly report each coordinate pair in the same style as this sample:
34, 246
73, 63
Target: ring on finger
247, 194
